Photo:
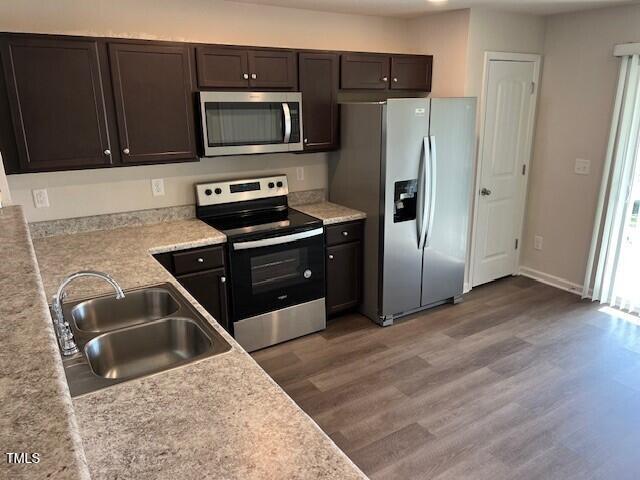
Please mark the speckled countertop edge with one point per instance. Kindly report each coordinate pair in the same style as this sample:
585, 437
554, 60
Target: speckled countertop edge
331, 213
37, 411
239, 401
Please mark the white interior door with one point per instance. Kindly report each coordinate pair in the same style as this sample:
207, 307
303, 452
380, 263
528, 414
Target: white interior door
505, 147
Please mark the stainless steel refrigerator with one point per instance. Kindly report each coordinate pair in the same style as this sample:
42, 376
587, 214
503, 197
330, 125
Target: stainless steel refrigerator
408, 164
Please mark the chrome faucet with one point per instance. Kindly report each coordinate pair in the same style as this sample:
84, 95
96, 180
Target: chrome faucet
66, 341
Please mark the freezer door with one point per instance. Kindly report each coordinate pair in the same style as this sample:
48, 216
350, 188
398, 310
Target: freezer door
451, 140
406, 123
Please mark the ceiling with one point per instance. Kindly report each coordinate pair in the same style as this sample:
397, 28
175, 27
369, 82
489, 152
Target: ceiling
408, 8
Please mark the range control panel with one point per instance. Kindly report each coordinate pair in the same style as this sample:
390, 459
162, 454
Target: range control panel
228, 191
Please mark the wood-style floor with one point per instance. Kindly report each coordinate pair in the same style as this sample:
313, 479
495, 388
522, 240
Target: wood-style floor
519, 381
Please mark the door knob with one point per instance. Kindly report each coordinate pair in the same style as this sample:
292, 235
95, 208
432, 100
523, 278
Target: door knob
485, 192
245, 76
345, 234
330, 257
200, 260
254, 76
107, 152
384, 79
395, 79
126, 151
223, 279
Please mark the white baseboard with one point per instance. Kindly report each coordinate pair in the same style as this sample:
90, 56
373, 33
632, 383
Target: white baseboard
552, 280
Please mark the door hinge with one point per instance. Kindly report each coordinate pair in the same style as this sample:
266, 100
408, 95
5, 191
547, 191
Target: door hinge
524, 169
516, 243
533, 87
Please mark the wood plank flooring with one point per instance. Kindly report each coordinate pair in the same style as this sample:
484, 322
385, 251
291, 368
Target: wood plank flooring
519, 381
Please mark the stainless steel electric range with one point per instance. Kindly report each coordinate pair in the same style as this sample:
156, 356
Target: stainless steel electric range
276, 259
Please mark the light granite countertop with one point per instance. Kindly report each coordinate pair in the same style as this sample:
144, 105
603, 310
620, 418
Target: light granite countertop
331, 213
36, 410
222, 417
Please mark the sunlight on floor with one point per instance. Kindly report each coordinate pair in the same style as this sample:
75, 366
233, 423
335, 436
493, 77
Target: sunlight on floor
620, 315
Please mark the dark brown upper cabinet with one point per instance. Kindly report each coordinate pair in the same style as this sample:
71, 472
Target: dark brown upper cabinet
319, 80
152, 90
222, 67
57, 105
409, 72
272, 69
230, 67
367, 71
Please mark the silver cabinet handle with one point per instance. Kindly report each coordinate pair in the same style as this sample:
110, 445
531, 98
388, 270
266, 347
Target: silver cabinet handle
223, 279
245, 76
485, 192
395, 79
384, 79
345, 234
330, 257
200, 260
126, 151
107, 152
254, 76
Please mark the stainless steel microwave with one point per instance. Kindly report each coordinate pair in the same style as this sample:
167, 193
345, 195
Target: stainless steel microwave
235, 123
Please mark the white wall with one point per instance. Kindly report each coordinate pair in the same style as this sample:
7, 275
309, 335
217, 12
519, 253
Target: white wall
491, 30
574, 117
445, 36
92, 192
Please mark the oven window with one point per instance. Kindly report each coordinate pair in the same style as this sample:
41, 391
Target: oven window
277, 270
244, 123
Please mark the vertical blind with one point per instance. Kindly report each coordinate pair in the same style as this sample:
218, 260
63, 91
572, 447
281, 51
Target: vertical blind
608, 277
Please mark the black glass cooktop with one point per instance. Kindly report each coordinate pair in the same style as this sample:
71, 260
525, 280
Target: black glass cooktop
262, 222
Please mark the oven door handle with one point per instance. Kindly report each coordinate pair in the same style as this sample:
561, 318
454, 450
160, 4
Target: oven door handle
287, 122
267, 242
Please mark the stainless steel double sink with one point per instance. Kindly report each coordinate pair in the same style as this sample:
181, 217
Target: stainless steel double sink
151, 330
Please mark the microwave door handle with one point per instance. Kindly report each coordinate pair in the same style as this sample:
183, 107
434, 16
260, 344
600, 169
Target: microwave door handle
422, 194
433, 161
287, 122
267, 242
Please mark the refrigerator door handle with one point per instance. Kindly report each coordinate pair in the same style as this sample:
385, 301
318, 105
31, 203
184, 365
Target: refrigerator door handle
432, 189
422, 194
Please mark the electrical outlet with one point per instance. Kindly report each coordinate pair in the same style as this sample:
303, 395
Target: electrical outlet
300, 173
157, 187
582, 166
40, 198
537, 242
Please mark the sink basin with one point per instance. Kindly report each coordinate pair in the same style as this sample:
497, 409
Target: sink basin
106, 313
151, 330
147, 348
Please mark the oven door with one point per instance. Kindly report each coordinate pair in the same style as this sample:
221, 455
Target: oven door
276, 272
236, 123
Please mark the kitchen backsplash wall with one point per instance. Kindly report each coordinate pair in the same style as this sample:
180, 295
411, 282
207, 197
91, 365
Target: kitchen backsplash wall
103, 191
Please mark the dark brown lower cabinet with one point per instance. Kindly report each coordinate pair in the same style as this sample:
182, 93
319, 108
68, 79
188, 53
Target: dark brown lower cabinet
209, 288
344, 267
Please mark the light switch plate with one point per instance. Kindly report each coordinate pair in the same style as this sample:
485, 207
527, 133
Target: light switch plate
40, 198
582, 167
537, 242
157, 187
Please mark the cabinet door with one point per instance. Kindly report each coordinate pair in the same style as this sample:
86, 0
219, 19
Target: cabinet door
344, 276
272, 69
209, 288
319, 86
222, 67
364, 71
152, 87
56, 97
411, 73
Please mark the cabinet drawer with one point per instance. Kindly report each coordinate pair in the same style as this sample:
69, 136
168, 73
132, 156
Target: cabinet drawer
197, 260
344, 232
